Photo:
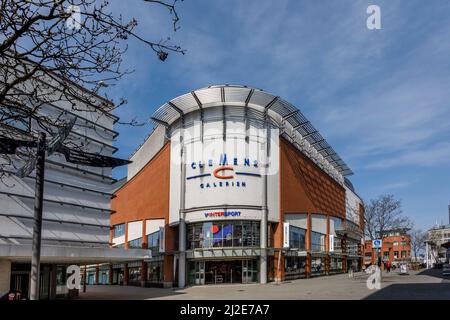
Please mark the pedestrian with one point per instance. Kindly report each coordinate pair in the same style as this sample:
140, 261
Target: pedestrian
388, 266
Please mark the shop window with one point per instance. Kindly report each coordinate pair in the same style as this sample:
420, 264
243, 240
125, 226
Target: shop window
134, 274
336, 265
294, 267
155, 271
223, 234
317, 265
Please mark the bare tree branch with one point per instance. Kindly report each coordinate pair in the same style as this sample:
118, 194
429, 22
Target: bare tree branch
384, 214
61, 54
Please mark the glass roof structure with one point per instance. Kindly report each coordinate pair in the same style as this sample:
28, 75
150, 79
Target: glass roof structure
289, 119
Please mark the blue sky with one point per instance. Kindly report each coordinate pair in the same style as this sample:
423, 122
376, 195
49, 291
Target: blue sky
380, 97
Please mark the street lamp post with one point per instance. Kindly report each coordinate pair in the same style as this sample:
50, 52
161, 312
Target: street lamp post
9, 146
37, 227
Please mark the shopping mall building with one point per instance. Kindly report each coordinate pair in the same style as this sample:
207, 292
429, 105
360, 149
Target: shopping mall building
235, 185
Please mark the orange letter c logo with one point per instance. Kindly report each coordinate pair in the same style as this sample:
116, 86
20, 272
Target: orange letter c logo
215, 173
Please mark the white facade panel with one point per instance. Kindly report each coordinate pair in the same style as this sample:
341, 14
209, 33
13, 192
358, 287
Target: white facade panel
118, 240
299, 220
153, 225
134, 230
352, 203
319, 223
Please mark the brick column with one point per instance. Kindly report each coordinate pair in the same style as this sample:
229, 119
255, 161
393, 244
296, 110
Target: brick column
97, 271
126, 236
327, 247
308, 245
344, 251
143, 273
5, 276
278, 243
279, 273
144, 236
168, 271
125, 274
111, 274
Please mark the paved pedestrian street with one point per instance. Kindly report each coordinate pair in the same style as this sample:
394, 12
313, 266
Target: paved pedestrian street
425, 284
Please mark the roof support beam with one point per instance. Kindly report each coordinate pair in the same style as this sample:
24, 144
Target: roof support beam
309, 134
290, 114
301, 125
313, 144
271, 103
163, 123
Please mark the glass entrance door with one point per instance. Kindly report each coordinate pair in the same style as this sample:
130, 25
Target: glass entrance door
200, 272
223, 272
249, 271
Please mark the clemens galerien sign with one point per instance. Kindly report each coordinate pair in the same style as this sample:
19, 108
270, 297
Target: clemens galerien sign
224, 172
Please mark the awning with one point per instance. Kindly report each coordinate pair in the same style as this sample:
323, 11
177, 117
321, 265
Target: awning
75, 255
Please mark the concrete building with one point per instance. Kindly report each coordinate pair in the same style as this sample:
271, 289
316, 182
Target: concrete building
435, 253
235, 185
76, 204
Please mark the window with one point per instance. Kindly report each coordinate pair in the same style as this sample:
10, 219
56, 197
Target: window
119, 230
297, 238
336, 265
403, 243
337, 244
386, 254
61, 275
337, 223
317, 265
153, 241
155, 271
295, 267
134, 274
395, 243
137, 243
352, 246
403, 254
317, 241
223, 234
395, 254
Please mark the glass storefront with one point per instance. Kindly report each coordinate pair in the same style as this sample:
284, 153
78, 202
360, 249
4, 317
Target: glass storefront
222, 272
294, 267
317, 265
220, 234
336, 265
134, 274
155, 271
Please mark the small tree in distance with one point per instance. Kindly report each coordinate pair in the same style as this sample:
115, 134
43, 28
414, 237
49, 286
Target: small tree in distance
383, 214
418, 238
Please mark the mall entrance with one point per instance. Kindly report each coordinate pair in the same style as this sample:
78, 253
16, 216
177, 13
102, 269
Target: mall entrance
223, 271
